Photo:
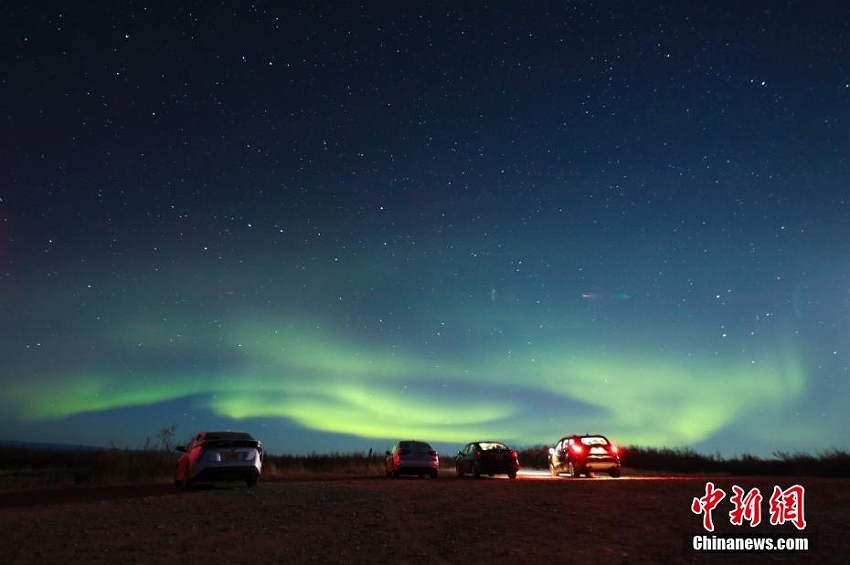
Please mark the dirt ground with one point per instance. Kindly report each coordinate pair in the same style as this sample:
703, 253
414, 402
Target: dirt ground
408, 520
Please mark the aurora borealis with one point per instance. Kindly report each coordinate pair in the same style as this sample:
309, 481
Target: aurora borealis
339, 225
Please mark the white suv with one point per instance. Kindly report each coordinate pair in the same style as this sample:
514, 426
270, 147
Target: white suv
219, 456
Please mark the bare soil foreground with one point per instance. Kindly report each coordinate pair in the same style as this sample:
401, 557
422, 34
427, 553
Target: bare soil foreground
399, 521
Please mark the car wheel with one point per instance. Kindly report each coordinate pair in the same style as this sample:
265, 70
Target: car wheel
511, 475
434, 474
614, 472
553, 470
476, 472
458, 471
187, 483
571, 469
251, 482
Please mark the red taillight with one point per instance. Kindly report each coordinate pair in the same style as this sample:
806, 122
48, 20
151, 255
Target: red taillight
577, 448
613, 448
478, 455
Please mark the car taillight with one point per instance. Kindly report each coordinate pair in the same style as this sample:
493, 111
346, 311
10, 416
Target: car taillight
577, 448
432, 453
613, 449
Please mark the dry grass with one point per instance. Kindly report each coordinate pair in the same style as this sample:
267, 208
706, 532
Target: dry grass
33, 467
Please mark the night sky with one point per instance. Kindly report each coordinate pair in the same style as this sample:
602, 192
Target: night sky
335, 225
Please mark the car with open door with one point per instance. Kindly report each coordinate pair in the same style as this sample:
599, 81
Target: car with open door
577, 455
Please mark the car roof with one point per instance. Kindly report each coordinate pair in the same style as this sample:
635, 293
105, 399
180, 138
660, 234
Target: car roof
226, 435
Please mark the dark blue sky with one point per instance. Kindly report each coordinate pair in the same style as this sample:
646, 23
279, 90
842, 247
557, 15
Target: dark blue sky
334, 225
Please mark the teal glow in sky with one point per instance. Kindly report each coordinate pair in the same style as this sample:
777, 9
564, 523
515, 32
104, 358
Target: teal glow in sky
326, 383
441, 224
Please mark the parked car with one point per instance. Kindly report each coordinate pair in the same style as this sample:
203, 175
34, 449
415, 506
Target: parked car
578, 455
412, 458
486, 458
219, 456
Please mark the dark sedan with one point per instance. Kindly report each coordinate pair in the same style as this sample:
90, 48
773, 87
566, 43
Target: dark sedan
487, 458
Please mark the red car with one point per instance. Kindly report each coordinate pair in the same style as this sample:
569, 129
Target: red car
412, 458
583, 455
487, 458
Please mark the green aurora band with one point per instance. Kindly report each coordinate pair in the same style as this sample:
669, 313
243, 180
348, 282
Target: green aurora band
323, 382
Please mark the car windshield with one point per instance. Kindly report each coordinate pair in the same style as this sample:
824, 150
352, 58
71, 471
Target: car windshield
419, 445
228, 435
594, 440
488, 446
230, 439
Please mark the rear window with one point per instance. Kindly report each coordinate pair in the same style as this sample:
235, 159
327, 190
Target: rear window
488, 446
594, 440
414, 445
228, 435
230, 439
